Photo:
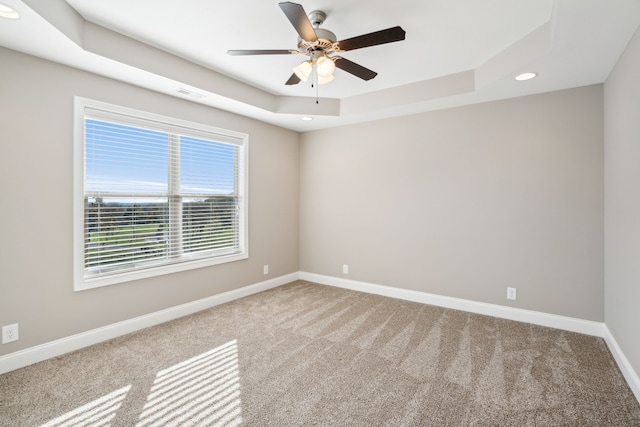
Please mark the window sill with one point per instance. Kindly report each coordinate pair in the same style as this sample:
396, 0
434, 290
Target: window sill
85, 283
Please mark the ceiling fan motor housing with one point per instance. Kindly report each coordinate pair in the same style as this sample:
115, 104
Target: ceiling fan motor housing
326, 41
325, 35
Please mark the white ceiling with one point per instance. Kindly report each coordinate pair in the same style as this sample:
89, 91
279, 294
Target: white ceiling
456, 52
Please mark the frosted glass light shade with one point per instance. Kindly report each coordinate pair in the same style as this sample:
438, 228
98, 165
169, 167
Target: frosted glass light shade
325, 80
325, 67
303, 70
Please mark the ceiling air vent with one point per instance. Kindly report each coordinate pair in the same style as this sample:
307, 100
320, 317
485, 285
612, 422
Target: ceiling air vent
190, 93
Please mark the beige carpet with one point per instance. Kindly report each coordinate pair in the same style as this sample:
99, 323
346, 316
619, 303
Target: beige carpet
305, 354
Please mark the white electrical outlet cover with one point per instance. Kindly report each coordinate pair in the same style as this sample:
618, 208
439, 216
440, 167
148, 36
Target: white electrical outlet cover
10, 333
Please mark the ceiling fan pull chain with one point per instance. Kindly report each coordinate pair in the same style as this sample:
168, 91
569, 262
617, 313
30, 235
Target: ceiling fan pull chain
313, 80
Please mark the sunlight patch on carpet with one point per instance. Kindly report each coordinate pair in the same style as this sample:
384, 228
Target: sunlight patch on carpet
204, 390
98, 412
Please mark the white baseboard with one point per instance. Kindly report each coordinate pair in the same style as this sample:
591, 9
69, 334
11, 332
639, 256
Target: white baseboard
29, 356
623, 363
26, 357
587, 327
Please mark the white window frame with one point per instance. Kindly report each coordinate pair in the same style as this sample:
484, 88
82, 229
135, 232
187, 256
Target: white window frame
83, 281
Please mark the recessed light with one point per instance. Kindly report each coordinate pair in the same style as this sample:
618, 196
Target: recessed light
526, 76
7, 12
306, 118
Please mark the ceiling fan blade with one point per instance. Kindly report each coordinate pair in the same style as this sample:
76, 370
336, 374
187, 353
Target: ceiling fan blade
261, 52
389, 35
293, 80
355, 69
298, 18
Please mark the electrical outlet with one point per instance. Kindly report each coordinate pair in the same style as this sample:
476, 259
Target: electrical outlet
10, 333
265, 270
345, 269
511, 293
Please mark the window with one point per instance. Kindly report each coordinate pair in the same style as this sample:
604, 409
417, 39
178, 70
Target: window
154, 195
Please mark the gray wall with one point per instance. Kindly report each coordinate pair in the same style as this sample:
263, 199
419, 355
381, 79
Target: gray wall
622, 203
36, 140
461, 202
465, 202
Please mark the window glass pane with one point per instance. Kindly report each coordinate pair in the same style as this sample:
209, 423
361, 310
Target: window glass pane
124, 159
122, 230
154, 195
207, 167
209, 224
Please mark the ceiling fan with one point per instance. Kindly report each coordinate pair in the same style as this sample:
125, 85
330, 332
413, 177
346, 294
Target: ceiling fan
318, 43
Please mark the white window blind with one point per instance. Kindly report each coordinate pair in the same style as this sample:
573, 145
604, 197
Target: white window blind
158, 195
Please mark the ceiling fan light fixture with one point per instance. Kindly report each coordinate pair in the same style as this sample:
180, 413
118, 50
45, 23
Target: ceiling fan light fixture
317, 43
325, 68
303, 70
